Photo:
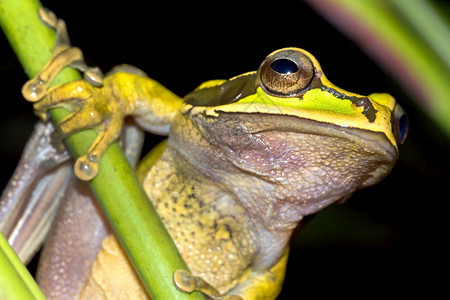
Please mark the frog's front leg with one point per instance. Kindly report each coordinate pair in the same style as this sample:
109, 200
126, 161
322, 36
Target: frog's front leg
79, 227
104, 110
126, 91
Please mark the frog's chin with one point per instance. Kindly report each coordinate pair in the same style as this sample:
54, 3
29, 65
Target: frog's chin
363, 141
321, 163
376, 142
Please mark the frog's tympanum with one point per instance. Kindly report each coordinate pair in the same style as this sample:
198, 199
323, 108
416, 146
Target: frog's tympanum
246, 160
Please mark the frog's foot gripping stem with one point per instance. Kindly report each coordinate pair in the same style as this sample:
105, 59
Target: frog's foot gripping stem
96, 113
63, 55
186, 282
91, 107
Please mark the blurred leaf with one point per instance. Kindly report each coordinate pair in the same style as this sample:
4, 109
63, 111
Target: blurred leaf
409, 38
15, 280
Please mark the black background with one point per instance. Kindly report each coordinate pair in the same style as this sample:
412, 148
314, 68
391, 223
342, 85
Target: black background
386, 240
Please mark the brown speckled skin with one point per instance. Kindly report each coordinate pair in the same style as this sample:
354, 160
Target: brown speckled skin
209, 228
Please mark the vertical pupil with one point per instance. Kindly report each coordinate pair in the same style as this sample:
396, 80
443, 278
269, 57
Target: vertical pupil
284, 66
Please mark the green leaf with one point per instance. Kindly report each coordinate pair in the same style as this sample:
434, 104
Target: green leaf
15, 280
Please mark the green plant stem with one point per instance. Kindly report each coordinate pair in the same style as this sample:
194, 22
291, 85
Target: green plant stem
125, 203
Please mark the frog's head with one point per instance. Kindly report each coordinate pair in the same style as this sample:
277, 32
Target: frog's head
288, 124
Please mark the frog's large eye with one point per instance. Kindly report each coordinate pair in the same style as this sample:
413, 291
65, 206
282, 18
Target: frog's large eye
400, 124
285, 72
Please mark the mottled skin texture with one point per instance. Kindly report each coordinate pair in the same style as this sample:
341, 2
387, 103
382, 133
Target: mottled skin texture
210, 229
235, 179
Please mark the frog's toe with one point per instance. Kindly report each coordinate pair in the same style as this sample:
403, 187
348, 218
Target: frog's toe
71, 96
188, 283
94, 76
49, 19
233, 297
93, 115
36, 88
86, 166
184, 281
83, 118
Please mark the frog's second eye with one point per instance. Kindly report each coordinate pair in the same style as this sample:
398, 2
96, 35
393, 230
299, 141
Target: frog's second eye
400, 124
286, 72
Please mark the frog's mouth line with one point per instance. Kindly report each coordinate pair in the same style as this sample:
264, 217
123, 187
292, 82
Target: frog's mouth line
377, 142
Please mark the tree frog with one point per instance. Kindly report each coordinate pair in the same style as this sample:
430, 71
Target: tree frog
245, 161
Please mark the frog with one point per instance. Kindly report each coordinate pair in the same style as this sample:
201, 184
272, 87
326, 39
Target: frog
246, 160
